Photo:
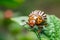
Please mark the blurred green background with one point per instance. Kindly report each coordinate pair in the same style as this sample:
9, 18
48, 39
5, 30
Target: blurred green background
24, 7
14, 31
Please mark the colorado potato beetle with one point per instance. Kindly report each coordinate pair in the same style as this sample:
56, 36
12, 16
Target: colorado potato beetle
36, 18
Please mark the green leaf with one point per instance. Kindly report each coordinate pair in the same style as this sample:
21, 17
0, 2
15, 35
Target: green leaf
53, 28
43, 37
21, 20
51, 31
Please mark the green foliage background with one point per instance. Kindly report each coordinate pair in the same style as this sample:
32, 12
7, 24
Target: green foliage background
15, 28
11, 3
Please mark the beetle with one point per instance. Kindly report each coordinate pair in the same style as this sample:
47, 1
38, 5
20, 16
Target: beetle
38, 18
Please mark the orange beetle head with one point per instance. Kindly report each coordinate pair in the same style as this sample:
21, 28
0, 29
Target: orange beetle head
31, 21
